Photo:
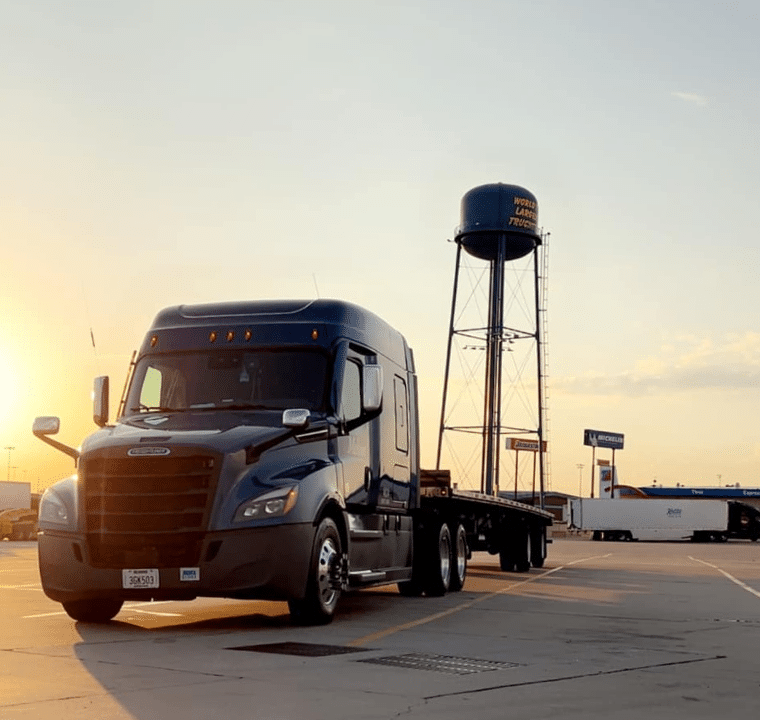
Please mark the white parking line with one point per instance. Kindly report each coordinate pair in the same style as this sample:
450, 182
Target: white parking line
133, 606
742, 585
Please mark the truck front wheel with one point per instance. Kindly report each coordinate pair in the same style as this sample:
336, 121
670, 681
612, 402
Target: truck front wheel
317, 607
93, 611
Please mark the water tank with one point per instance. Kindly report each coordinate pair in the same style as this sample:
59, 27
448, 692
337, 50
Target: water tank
497, 213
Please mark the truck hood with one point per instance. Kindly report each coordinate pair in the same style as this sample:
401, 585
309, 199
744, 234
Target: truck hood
225, 437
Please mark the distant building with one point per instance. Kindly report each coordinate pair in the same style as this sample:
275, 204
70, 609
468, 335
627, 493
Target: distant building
554, 502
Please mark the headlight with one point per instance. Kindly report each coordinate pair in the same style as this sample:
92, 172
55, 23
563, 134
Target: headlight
52, 510
272, 504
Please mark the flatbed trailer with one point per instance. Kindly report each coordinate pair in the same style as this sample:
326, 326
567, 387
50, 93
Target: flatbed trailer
266, 449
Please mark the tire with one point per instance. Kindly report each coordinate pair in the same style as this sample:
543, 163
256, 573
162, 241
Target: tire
415, 586
411, 588
522, 551
93, 611
438, 562
507, 559
317, 607
458, 558
538, 547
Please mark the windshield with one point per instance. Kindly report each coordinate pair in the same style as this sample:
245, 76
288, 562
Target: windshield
233, 379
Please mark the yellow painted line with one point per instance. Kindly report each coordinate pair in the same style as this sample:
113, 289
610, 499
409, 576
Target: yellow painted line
464, 606
153, 612
742, 585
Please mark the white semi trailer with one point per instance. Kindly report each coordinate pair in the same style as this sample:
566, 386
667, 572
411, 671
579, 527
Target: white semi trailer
672, 519
15, 495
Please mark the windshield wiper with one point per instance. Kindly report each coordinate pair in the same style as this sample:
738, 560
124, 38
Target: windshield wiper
152, 409
201, 407
244, 406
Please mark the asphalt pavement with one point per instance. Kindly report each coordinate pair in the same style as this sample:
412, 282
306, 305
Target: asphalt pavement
620, 631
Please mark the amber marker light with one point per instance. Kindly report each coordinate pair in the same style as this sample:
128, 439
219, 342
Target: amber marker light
314, 334
154, 341
248, 334
212, 336
230, 336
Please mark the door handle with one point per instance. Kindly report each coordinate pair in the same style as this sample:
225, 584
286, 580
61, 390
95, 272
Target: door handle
367, 478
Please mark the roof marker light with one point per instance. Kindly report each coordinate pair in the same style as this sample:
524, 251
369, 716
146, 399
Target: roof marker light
230, 336
212, 336
248, 334
154, 341
314, 334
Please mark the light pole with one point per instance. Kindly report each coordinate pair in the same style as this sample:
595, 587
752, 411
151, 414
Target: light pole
9, 449
580, 479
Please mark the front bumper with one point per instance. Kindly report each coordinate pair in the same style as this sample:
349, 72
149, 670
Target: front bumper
262, 563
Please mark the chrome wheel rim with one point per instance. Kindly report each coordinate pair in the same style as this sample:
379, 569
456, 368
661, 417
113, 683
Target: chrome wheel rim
328, 556
461, 556
444, 547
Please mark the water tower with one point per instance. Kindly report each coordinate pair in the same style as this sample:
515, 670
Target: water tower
499, 225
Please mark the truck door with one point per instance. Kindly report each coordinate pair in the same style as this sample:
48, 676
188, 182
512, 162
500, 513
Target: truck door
359, 450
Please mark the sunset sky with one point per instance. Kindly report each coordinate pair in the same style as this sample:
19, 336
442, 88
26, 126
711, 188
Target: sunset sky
157, 153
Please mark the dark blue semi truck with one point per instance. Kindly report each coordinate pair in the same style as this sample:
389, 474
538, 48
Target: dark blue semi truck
265, 450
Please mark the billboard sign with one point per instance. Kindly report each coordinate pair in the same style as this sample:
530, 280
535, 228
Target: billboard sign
520, 444
603, 439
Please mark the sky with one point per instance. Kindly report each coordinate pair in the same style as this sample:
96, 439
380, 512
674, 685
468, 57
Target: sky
159, 153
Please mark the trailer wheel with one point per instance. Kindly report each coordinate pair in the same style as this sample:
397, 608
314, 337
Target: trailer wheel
506, 557
93, 611
458, 558
522, 551
538, 547
317, 607
438, 565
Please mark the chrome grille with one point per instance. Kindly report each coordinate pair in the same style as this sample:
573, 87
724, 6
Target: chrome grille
146, 511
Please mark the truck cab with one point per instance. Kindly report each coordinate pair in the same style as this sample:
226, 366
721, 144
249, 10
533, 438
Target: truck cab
261, 450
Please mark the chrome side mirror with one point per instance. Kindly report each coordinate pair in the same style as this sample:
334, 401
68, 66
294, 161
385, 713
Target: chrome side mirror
100, 401
295, 418
372, 380
49, 425
46, 425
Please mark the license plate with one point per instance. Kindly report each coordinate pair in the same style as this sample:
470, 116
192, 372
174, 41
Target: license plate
139, 579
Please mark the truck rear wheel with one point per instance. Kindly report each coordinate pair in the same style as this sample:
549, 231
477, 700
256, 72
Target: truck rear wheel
458, 558
93, 611
317, 607
411, 588
438, 562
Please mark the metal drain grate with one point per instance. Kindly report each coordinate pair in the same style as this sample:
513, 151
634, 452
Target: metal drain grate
441, 663
297, 648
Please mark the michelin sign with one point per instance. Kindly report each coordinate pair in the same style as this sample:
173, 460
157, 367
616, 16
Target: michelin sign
602, 439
